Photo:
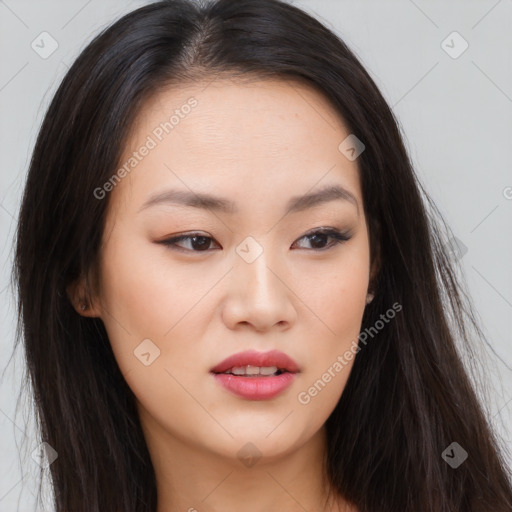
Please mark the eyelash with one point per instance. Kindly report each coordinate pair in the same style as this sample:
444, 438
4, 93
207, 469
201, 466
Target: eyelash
338, 237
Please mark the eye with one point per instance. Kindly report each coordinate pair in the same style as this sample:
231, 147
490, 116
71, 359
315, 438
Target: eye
196, 242
319, 237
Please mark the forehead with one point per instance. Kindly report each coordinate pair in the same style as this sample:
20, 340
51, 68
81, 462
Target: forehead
228, 135
230, 113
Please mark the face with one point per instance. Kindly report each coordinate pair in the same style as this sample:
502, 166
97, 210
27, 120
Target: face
278, 262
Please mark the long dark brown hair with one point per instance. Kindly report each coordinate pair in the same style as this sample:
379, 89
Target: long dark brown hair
409, 394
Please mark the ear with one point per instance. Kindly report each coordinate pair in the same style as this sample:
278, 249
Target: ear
82, 300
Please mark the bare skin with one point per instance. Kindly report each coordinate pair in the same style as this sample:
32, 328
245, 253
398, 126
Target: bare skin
257, 144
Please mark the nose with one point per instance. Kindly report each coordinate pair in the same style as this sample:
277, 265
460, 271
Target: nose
259, 295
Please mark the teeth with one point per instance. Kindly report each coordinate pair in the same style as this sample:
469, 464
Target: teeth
253, 370
268, 370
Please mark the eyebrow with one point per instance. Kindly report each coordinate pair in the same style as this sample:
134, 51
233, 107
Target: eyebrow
219, 204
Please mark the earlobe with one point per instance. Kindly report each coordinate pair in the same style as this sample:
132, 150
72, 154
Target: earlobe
78, 296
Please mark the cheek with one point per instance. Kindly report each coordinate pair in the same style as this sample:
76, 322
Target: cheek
338, 302
337, 297
336, 292
141, 290
132, 301
146, 296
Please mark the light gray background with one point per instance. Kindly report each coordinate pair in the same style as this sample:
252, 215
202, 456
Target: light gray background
456, 114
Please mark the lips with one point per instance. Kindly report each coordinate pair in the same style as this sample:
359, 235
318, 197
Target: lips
252, 386
276, 358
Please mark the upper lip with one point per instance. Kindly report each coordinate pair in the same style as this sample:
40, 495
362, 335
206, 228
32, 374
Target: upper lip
261, 359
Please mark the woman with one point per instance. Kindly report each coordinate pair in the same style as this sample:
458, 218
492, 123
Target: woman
231, 291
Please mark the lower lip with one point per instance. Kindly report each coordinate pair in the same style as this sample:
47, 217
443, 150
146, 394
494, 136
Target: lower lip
255, 388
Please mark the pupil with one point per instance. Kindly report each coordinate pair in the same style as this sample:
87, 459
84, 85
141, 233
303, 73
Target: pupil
316, 237
203, 244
